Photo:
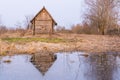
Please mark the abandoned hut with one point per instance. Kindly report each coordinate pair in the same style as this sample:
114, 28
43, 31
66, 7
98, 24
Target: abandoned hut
43, 22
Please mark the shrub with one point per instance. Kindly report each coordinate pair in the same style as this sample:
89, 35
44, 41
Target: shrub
113, 32
84, 29
62, 30
3, 29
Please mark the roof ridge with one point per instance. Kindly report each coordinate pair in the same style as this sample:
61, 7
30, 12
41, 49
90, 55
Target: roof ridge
41, 11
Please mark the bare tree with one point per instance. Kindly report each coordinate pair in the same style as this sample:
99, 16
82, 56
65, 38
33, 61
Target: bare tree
3, 29
20, 29
103, 14
18, 25
27, 21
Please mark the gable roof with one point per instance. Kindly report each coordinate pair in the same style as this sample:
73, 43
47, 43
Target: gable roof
48, 14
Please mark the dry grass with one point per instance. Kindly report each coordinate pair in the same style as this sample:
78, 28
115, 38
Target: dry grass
7, 61
60, 43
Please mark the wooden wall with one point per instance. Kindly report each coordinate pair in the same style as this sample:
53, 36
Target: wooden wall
43, 23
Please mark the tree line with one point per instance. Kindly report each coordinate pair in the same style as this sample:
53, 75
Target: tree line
101, 17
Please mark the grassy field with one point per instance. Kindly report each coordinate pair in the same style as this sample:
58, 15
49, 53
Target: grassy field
59, 42
48, 40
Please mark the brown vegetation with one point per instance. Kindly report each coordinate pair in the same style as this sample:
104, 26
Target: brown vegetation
7, 61
60, 29
67, 42
3, 30
104, 14
84, 29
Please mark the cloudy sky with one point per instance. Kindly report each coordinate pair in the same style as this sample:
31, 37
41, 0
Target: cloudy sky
65, 12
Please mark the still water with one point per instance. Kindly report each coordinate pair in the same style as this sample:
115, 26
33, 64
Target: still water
72, 66
18, 69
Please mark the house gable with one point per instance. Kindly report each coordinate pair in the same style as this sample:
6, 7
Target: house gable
43, 15
43, 22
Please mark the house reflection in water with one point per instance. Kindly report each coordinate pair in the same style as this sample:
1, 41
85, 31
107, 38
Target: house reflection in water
102, 66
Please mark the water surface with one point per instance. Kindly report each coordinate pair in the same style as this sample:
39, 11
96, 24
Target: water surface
68, 66
18, 69
76, 66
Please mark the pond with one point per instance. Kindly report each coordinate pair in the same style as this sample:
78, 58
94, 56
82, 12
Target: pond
18, 67
67, 66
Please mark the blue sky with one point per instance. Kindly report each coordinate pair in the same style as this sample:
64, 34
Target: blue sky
65, 12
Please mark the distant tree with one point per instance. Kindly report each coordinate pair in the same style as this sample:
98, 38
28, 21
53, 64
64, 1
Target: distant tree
77, 28
18, 25
20, 29
27, 22
60, 28
103, 14
3, 29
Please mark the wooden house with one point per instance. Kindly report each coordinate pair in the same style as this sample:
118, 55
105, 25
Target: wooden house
43, 22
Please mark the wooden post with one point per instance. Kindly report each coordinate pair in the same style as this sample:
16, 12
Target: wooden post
52, 29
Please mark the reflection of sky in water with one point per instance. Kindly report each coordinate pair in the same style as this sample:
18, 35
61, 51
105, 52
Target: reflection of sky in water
117, 71
19, 69
66, 67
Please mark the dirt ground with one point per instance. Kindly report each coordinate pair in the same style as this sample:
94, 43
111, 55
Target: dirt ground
75, 42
